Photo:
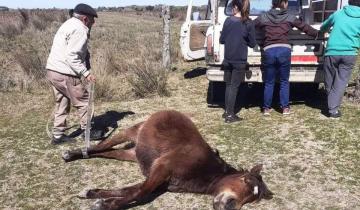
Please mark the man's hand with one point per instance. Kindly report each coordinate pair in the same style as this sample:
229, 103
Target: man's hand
91, 78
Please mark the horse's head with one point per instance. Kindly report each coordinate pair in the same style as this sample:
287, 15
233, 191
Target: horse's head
235, 190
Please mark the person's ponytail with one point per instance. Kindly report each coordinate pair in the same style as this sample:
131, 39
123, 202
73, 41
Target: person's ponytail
243, 6
245, 10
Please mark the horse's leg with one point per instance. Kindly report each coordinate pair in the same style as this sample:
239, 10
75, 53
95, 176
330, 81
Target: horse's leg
159, 175
101, 193
128, 134
117, 154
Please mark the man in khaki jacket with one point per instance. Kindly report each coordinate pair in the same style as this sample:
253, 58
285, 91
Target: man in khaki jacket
67, 64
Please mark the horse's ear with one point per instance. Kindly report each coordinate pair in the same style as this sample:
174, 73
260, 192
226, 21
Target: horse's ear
217, 152
268, 194
256, 169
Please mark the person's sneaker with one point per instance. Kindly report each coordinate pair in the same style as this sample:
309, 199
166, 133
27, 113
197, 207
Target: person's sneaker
94, 134
267, 111
286, 111
232, 118
335, 115
224, 115
62, 139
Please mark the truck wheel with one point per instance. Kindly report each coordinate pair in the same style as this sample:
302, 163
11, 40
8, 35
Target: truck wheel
216, 94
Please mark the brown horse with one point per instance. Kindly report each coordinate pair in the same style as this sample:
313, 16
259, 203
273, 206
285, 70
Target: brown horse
173, 157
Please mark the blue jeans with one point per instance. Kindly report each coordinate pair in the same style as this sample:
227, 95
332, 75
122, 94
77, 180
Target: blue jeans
277, 62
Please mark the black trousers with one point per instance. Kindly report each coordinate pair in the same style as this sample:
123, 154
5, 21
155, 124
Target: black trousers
233, 75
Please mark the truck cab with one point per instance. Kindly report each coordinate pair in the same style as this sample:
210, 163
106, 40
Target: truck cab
200, 39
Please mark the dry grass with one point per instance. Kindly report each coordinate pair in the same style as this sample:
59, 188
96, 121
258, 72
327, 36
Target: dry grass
310, 162
14, 23
25, 40
149, 79
125, 52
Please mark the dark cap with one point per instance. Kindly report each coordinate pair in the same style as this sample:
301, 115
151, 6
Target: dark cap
84, 9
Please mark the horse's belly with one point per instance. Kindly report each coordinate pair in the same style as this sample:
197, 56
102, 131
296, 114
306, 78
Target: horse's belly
145, 157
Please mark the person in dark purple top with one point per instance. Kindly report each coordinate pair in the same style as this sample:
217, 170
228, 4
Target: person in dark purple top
238, 33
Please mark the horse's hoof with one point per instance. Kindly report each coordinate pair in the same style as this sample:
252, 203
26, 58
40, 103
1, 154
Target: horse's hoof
66, 156
84, 193
98, 205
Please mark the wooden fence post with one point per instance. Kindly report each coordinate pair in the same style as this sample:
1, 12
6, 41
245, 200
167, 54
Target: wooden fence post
166, 44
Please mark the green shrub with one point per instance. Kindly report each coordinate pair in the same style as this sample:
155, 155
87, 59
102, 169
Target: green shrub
148, 79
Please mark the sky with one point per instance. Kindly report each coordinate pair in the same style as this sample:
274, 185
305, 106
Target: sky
94, 3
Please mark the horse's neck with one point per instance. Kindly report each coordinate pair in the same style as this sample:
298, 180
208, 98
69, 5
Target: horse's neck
216, 181
203, 181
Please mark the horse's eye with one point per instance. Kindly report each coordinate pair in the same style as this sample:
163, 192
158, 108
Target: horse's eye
230, 203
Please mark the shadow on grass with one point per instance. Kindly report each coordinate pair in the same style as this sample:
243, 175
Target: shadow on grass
197, 72
251, 95
105, 121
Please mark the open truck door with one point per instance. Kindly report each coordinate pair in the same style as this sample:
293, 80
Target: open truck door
193, 32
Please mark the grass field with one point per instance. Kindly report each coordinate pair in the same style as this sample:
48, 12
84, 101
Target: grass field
310, 162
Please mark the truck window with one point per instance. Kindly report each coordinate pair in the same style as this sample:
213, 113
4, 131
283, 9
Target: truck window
322, 9
208, 11
257, 7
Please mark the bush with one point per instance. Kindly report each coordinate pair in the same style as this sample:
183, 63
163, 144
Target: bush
43, 19
39, 24
13, 23
125, 54
11, 29
6, 80
26, 44
108, 76
148, 79
32, 67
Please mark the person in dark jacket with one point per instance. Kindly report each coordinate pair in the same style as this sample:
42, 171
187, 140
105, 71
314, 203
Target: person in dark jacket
276, 25
341, 53
238, 33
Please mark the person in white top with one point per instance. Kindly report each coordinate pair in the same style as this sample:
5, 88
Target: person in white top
68, 62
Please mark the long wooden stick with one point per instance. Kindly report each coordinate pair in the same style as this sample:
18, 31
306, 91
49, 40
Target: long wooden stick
90, 112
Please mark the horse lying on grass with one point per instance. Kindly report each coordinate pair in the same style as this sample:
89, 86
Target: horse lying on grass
173, 157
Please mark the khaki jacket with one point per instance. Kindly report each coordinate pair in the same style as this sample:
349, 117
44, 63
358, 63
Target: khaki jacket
69, 50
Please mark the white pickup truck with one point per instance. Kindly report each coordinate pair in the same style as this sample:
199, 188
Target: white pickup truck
199, 39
